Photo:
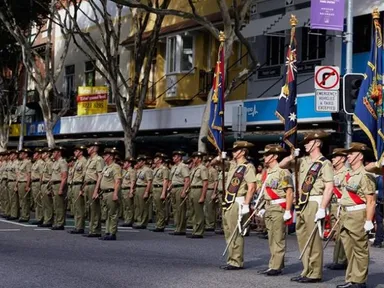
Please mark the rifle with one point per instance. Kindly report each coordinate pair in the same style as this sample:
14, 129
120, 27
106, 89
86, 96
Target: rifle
331, 233
100, 193
36, 198
309, 240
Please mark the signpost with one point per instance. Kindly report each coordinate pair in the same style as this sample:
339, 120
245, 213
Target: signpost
327, 84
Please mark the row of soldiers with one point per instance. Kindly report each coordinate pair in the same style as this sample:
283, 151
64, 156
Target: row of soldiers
107, 185
325, 186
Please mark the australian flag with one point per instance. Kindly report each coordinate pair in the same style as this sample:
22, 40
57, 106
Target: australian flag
216, 115
369, 105
287, 105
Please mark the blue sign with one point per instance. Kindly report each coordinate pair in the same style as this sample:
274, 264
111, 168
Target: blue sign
38, 129
262, 111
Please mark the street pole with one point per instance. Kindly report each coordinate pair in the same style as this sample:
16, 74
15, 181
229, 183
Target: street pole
348, 66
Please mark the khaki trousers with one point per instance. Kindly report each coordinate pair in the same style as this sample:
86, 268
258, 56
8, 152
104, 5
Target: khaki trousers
276, 236
339, 256
78, 203
128, 206
112, 213
25, 201
59, 206
6, 200
210, 211
189, 214
13, 200
355, 241
142, 207
235, 254
94, 210
198, 211
160, 208
70, 200
313, 257
179, 214
47, 199
37, 196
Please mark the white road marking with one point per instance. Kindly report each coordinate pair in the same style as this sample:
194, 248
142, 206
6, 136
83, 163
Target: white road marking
129, 231
42, 229
16, 223
9, 230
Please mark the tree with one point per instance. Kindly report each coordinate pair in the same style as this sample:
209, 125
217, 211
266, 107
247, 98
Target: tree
106, 48
234, 18
40, 65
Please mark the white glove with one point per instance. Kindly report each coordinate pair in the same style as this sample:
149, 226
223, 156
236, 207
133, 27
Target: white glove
223, 155
261, 213
296, 153
244, 209
320, 214
382, 162
368, 226
287, 215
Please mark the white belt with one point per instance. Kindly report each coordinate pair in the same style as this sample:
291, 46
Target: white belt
240, 200
338, 200
318, 199
278, 201
355, 207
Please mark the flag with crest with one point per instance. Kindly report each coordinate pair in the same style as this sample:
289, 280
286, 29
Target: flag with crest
216, 115
369, 105
287, 104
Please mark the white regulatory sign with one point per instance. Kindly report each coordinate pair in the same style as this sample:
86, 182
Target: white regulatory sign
327, 100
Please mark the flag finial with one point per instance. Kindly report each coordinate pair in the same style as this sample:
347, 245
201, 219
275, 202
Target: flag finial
221, 36
293, 21
376, 13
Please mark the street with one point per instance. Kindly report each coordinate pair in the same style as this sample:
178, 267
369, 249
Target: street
35, 257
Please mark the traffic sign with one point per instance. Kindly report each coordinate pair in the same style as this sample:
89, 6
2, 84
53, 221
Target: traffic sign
327, 100
327, 78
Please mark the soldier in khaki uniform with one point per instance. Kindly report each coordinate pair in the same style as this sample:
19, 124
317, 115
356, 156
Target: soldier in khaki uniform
24, 184
59, 187
77, 183
142, 195
109, 184
316, 188
211, 199
70, 196
12, 186
338, 158
180, 180
37, 195
93, 168
4, 189
358, 207
46, 188
278, 198
128, 191
198, 193
188, 202
239, 189
160, 185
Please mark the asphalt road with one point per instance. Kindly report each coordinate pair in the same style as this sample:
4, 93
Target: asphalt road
32, 257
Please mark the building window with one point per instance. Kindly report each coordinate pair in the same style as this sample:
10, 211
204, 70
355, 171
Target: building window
275, 50
90, 73
70, 84
313, 45
362, 33
180, 54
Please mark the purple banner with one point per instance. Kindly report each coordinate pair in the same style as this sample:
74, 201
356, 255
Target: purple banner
327, 14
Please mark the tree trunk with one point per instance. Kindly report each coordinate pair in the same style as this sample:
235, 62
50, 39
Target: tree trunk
202, 147
4, 133
128, 143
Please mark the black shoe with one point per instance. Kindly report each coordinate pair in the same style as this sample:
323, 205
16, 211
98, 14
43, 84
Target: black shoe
345, 285
57, 228
36, 222
127, 225
195, 236
158, 230
108, 237
210, 229
309, 280
359, 285
335, 266
91, 235
264, 271
177, 233
139, 227
23, 221
273, 272
48, 225
219, 232
297, 278
230, 267
75, 231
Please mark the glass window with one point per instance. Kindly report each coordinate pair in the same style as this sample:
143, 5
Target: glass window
275, 50
186, 63
180, 53
90, 73
313, 44
362, 33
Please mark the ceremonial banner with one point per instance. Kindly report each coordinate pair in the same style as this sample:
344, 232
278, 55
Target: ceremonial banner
287, 105
328, 15
92, 100
369, 105
216, 115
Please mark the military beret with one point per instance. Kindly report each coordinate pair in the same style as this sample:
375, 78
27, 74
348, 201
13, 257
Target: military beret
313, 136
198, 154
273, 149
358, 147
241, 145
178, 152
160, 155
58, 148
80, 147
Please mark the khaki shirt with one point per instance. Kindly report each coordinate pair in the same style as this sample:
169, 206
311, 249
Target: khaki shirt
24, 170
59, 167
110, 173
12, 170
47, 170
79, 170
37, 169
249, 177
71, 171
198, 175
129, 176
213, 177
279, 180
361, 182
339, 178
160, 174
94, 166
325, 175
144, 175
259, 182
179, 173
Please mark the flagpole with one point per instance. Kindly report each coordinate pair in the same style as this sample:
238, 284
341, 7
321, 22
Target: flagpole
222, 40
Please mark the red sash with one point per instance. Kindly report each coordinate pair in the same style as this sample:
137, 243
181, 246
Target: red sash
274, 196
355, 198
337, 192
